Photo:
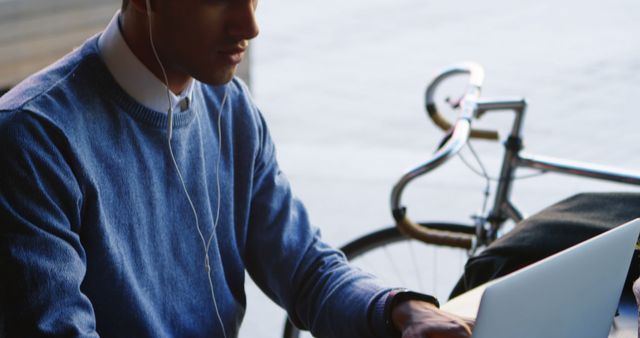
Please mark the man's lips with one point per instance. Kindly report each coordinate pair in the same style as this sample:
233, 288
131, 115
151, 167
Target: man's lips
232, 55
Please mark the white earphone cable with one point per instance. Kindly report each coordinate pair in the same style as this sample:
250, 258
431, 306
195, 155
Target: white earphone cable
164, 73
206, 244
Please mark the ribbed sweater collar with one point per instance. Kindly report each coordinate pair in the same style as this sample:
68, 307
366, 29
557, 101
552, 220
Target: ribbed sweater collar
90, 52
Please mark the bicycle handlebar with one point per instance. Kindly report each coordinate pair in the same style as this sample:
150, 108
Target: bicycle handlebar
460, 134
476, 78
455, 143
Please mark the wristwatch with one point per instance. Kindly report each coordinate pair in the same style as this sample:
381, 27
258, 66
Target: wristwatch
397, 296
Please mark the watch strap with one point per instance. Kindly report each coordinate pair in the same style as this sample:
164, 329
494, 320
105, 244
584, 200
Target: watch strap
397, 296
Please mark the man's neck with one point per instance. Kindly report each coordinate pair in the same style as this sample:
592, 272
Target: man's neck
135, 31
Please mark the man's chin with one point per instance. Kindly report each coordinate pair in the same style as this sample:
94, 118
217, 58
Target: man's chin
219, 78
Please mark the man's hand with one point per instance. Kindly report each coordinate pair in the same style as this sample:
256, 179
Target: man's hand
418, 319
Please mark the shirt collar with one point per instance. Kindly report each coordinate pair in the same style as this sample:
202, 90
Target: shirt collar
133, 76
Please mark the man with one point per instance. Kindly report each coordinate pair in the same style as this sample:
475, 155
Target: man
139, 181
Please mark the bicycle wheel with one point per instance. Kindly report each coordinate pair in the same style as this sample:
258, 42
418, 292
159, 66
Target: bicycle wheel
400, 261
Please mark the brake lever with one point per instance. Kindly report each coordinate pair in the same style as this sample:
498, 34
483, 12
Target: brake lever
454, 104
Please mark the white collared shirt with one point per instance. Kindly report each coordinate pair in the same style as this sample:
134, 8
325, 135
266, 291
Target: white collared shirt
133, 76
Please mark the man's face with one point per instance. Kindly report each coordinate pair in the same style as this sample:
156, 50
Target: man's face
205, 39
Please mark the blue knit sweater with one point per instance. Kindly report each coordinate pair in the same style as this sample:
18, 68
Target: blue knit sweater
97, 237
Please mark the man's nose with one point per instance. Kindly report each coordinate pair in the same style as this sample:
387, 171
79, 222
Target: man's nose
244, 25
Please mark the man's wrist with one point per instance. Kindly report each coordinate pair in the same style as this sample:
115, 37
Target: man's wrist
398, 296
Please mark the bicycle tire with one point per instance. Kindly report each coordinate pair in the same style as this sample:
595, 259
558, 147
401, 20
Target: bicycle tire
380, 239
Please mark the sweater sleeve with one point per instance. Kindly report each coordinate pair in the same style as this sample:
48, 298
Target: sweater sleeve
289, 261
42, 262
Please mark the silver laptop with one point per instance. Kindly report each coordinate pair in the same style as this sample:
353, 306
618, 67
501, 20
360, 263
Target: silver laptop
572, 294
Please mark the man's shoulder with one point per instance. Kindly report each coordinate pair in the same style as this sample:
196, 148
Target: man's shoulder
235, 90
62, 75
237, 97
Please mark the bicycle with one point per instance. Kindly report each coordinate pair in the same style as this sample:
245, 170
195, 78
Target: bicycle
463, 240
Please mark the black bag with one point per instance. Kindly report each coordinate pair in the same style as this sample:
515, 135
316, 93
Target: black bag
554, 229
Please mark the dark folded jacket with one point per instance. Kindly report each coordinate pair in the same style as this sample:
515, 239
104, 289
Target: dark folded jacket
554, 229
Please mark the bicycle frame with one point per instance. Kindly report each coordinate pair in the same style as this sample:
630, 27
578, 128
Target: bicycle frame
472, 106
513, 159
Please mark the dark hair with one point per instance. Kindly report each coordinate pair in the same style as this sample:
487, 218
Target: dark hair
124, 4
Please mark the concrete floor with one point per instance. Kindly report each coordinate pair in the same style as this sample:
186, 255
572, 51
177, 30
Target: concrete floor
341, 84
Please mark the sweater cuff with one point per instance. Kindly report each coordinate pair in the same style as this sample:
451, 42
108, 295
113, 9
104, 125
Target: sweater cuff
381, 322
377, 320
